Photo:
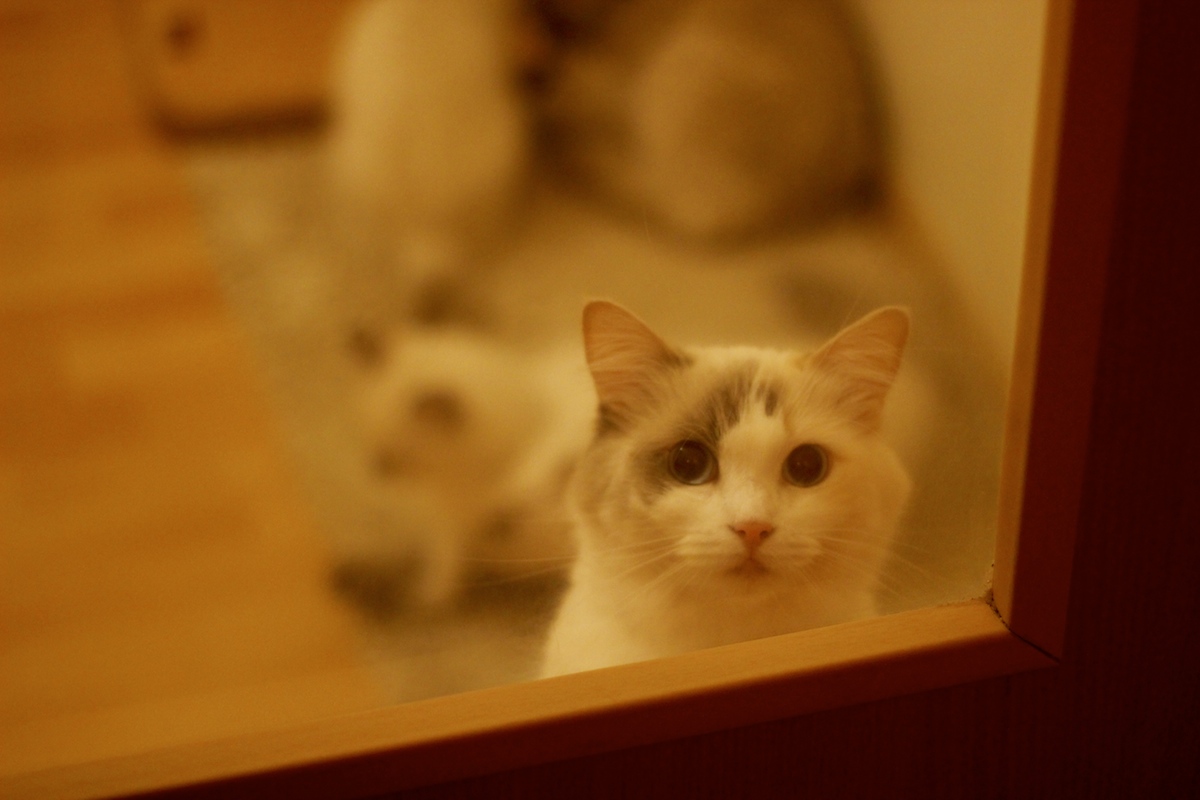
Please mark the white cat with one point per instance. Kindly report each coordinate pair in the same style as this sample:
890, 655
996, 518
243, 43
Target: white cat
429, 144
474, 441
729, 493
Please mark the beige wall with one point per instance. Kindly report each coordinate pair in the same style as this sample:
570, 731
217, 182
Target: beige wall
962, 85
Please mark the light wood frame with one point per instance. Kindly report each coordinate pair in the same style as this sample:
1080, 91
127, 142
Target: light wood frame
1087, 68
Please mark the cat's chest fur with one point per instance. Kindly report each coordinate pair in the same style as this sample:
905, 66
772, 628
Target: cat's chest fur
612, 630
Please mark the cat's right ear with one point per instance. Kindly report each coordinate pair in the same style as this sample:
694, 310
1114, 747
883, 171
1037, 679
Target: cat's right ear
625, 357
866, 357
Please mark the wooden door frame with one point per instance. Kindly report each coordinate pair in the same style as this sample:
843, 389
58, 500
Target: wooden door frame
1086, 77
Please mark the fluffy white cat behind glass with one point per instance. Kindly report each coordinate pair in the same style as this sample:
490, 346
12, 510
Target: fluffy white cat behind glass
729, 493
429, 146
473, 441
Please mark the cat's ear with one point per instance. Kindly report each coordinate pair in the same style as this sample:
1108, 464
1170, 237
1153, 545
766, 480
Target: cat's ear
865, 358
625, 357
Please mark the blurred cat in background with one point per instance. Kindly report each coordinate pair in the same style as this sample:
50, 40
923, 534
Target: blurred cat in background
717, 119
475, 441
729, 493
429, 150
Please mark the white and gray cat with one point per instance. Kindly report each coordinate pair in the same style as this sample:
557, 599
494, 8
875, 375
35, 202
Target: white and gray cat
729, 493
472, 442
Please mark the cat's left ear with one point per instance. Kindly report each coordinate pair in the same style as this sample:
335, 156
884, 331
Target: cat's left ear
865, 357
625, 358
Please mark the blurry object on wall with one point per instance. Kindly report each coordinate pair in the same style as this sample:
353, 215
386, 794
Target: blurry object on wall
717, 120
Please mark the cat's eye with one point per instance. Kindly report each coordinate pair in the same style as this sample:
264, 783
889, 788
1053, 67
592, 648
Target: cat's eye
807, 465
692, 463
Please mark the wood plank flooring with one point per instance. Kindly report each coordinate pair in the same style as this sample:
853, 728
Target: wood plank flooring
160, 579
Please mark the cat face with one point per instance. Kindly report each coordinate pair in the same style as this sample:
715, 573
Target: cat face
746, 470
446, 405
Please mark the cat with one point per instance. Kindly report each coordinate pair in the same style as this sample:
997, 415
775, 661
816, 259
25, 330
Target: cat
729, 493
473, 440
429, 148
716, 119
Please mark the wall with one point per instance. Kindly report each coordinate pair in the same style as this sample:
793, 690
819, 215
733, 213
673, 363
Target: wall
962, 90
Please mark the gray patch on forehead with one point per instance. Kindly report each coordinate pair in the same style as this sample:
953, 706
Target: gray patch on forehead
722, 408
768, 393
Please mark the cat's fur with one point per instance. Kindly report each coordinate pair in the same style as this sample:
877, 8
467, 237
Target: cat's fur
715, 118
665, 567
474, 441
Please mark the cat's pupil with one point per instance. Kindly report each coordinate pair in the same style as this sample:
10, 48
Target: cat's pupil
807, 465
692, 463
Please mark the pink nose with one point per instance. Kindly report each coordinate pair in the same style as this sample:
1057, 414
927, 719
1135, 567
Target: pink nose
753, 532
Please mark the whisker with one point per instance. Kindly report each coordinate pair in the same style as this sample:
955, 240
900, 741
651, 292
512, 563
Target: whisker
634, 547
546, 560
642, 564
499, 580
642, 591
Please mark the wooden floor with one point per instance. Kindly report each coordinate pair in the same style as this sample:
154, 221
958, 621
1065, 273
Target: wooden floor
160, 581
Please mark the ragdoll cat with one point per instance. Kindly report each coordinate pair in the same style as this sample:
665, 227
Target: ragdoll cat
729, 493
715, 118
474, 440
429, 145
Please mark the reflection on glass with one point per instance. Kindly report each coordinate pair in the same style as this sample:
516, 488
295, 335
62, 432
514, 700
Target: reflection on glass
733, 173
412, 275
